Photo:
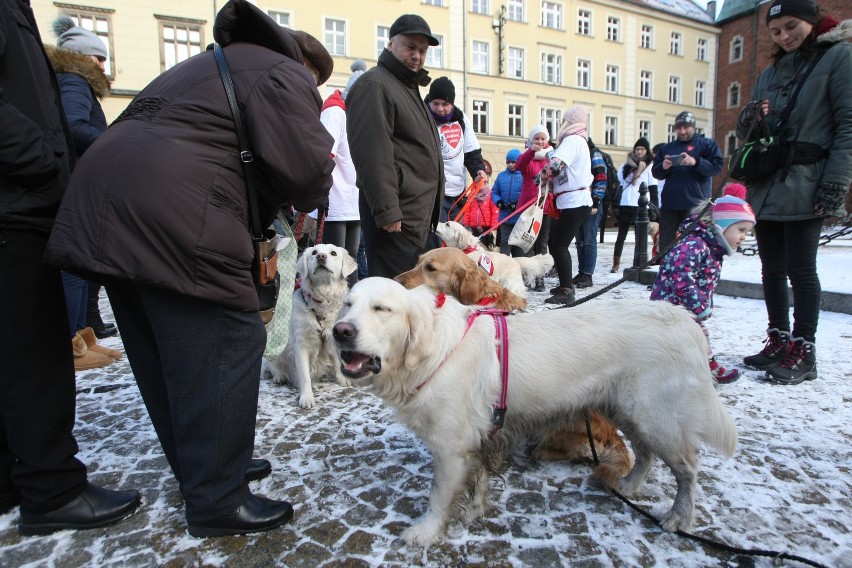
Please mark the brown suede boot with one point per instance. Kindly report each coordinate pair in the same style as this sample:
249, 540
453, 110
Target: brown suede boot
88, 335
85, 359
616, 262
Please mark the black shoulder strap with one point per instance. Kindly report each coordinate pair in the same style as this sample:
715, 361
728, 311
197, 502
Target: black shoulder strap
785, 114
246, 155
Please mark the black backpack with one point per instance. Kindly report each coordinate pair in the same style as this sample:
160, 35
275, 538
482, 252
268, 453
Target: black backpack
613, 188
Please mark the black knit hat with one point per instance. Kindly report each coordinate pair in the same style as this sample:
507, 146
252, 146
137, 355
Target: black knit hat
803, 9
442, 88
643, 143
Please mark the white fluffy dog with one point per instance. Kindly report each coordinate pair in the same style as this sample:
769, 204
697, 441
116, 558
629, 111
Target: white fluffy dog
444, 378
310, 352
510, 272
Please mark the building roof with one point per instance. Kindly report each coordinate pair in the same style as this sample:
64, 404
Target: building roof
733, 9
684, 8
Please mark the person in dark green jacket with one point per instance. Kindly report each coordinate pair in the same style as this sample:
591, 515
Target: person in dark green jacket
396, 151
791, 205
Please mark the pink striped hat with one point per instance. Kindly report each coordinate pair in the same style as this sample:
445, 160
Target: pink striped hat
732, 207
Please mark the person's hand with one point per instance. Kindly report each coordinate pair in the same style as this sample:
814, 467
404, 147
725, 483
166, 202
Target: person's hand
667, 163
764, 108
688, 160
500, 204
593, 212
535, 147
393, 227
828, 200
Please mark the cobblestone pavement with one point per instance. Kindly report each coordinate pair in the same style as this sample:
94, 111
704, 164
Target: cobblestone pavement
357, 479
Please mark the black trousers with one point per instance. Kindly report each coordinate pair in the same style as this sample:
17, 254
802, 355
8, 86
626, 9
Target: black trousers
37, 400
670, 221
388, 254
788, 249
562, 233
197, 365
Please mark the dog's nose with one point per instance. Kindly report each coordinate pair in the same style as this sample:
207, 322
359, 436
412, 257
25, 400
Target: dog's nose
322, 256
343, 331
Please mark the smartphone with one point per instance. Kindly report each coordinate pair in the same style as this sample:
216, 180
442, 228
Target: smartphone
676, 159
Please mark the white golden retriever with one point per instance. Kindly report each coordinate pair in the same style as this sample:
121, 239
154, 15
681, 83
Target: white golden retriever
510, 272
416, 352
310, 352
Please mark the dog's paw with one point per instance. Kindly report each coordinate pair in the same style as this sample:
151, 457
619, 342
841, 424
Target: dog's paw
425, 534
306, 400
269, 370
674, 521
343, 381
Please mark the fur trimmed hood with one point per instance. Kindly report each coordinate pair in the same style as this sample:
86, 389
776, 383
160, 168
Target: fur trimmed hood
840, 32
67, 61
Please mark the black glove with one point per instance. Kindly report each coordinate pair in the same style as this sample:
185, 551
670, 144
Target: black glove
512, 206
500, 204
828, 200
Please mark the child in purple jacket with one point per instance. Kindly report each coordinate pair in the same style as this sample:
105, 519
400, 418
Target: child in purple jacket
690, 271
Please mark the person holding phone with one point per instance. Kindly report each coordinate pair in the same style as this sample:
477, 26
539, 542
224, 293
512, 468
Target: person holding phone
687, 165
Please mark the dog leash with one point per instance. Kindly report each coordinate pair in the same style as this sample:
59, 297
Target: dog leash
501, 335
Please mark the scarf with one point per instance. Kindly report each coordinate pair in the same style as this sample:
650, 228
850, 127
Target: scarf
633, 168
570, 129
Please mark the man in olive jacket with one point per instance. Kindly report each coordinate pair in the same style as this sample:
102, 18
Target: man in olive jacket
396, 151
38, 467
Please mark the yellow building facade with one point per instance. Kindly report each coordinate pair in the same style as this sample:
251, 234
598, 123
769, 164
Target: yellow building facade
515, 63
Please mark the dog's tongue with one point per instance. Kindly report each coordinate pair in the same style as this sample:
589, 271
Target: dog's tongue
355, 361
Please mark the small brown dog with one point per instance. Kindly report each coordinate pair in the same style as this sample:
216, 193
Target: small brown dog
572, 443
450, 271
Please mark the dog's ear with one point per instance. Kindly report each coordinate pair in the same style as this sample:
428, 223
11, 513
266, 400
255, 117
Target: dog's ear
420, 332
302, 263
472, 284
349, 264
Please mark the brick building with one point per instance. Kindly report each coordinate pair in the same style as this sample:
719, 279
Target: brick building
744, 51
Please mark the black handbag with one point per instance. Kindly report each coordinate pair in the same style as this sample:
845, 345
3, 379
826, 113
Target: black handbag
264, 267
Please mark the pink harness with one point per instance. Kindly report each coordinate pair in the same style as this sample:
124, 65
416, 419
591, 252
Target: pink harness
501, 334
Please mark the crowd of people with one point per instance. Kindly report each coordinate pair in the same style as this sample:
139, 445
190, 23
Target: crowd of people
164, 229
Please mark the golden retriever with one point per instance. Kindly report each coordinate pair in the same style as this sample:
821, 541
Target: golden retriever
310, 352
441, 372
451, 271
513, 273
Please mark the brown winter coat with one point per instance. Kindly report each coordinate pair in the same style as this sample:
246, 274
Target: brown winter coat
160, 199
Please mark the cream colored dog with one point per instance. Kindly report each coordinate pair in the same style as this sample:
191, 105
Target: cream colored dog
310, 352
443, 377
510, 272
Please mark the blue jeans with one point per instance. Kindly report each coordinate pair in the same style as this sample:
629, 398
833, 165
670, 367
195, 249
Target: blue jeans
587, 243
76, 300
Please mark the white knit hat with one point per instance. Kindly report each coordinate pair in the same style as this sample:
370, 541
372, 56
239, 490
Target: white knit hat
72, 37
358, 68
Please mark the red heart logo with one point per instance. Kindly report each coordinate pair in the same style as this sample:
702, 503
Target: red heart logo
452, 133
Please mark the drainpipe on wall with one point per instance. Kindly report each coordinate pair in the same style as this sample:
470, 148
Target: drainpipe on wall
464, 59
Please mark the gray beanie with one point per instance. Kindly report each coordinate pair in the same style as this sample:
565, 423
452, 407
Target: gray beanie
358, 68
72, 37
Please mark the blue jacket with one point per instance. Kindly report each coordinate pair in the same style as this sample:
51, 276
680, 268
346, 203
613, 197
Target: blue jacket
507, 188
687, 186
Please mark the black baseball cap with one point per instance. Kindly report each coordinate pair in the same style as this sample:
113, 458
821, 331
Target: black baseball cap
412, 24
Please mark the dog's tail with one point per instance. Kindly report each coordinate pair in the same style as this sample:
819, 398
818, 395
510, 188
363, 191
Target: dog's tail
719, 430
533, 267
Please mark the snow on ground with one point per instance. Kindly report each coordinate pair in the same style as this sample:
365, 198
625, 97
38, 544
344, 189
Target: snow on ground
357, 478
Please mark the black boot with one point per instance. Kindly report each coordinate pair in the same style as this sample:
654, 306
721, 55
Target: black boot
257, 514
563, 295
775, 347
258, 469
797, 366
93, 508
93, 314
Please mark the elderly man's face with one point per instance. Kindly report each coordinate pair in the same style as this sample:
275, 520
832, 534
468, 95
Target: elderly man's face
410, 50
684, 132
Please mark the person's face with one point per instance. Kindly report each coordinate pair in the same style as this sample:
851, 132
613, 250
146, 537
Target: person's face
510, 165
410, 50
684, 132
100, 61
788, 32
640, 152
736, 233
441, 107
540, 138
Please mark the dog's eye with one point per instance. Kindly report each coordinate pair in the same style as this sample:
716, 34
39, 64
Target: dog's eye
334, 253
381, 308
314, 252
430, 267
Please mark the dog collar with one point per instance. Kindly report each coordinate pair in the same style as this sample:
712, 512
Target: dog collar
484, 262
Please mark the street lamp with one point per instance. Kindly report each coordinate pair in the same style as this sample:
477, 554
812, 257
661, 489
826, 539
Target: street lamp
497, 24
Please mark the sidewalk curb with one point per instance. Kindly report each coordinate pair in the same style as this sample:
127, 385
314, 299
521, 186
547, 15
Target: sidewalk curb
829, 301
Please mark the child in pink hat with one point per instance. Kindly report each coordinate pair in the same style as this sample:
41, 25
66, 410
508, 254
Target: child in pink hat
690, 271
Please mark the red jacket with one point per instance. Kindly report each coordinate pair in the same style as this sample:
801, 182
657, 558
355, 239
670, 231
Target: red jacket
529, 168
481, 213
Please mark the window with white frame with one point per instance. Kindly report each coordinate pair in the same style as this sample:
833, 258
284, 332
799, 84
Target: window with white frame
584, 74
730, 143
99, 23
646, 81
701, 49
550, 118
435, 54
612, 78
646, 37
733, 95
516, 120
335, 36
180, 40
434, 2
382, 37
516, 63
551, 68
676, 44
645, 129
515, 11
736, 52
613, 28
674, 89
551, 15
479, 57
479, 116
584, 22
281, 18
671, 133
479, 6
611, 130
700, 93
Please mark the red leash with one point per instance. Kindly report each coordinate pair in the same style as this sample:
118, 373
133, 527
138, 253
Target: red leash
517, 211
